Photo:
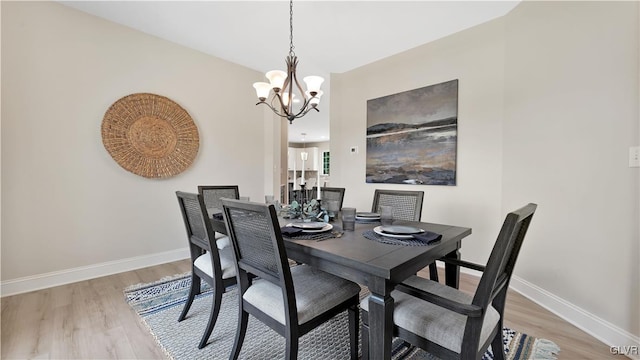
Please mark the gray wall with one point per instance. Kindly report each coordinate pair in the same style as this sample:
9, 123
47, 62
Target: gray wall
548, 107
68, 209
571, 113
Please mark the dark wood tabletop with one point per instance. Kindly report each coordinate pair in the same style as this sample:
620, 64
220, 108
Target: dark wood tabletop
378, 266
372, 258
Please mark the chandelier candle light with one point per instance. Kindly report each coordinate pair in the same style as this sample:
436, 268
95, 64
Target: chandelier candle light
295, 179
319, 170
303, 156
284, 84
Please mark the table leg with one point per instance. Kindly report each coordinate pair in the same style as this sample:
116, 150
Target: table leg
452, 272
380, 321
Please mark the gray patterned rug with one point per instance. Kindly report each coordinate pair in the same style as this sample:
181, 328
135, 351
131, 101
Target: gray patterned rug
159, 304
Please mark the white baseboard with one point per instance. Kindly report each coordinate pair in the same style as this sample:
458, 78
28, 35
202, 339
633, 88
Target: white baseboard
56, 278
600, 329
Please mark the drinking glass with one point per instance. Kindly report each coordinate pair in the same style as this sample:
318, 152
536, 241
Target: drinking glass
348, 219
386, 215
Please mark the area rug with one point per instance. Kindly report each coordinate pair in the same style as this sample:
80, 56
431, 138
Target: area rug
159, 304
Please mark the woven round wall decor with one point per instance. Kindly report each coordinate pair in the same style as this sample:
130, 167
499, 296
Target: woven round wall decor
150, 135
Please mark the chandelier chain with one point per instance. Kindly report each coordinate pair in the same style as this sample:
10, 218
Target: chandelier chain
291, 47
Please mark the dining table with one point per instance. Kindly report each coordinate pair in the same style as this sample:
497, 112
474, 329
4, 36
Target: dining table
377, 265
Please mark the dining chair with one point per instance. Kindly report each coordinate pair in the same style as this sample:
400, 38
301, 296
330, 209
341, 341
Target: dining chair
331, 194
290, 300
451, 324
215, 267
212, 195
407, 205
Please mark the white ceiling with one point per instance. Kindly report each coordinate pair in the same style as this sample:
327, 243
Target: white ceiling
329, 36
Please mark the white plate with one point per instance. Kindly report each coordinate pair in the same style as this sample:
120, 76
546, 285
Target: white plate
367, 215
367, 218
315, 225
378, 230
401, 230
327, 227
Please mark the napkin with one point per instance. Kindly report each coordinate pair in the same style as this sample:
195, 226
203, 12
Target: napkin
428, 237
290, 230
217, 216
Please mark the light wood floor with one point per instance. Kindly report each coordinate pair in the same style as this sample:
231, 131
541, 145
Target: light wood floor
90, 320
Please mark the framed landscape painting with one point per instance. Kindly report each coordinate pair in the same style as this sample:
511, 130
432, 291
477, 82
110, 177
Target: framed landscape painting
412, 136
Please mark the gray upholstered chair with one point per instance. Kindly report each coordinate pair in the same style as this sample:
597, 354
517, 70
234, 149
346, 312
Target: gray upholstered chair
407, 205
449, 323
215, 267
291, 301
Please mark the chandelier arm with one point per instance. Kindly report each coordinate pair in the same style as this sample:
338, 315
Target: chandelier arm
290, 82
292, 64
279, 104
285, 109
272, 108
295, 78
305, 108
301, 90
287, 82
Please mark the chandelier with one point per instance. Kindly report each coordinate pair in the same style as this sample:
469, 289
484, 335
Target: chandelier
284, 84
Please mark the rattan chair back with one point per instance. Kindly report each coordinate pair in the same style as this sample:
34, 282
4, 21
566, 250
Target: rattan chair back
198, 227
212, 195
255, 234
331, 194
407, 205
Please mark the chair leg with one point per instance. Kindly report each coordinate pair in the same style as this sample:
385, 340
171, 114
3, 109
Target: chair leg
354, 315
364, 330
213, 316
240, 332
497, 346
433, 272
193, 291
292, 345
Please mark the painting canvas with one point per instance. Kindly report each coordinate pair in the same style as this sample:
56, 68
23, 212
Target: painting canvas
412, 136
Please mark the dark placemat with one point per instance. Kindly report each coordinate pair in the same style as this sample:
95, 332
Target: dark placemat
371, 235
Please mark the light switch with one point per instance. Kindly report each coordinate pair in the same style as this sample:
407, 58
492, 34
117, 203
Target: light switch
634, 156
